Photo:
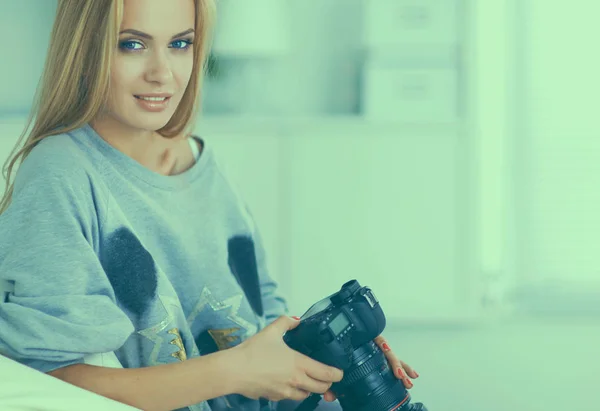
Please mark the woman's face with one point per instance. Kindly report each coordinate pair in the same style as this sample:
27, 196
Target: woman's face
153, 62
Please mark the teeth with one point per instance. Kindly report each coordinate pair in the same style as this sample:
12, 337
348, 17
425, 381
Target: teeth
152, 98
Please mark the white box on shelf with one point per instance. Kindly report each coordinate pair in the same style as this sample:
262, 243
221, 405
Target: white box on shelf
416, 95
401, 22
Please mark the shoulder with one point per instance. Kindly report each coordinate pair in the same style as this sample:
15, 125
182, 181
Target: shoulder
58, 153
57, 163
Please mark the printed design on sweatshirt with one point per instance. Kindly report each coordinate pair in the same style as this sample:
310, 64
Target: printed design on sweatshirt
161, 336
200, 407
228, 309
203, 406
131, 271
225, 338
180, 354
242, 261
133, 275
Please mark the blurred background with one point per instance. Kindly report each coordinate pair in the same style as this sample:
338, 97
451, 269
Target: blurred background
443, 152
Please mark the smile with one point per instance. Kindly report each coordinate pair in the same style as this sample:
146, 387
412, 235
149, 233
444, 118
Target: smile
152, 98
153, 103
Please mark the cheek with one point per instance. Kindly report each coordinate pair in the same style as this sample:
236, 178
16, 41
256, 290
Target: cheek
123, 77
183, 72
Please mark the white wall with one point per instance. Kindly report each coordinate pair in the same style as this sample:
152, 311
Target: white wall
558, 142
378, 204
25, 27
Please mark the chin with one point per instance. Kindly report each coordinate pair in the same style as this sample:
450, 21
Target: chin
150, 122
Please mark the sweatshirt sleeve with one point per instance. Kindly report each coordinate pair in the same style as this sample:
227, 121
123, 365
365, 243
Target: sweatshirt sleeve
62, 306
274, 304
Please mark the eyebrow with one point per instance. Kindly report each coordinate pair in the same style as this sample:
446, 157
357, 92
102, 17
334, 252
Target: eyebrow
149, 37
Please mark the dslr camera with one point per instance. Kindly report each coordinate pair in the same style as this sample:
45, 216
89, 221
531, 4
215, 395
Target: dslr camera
339, 331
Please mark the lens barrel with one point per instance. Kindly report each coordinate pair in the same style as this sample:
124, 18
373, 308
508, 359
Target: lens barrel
370, 385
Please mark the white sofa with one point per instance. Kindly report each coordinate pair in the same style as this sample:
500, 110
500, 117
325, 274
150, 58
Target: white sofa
25, 389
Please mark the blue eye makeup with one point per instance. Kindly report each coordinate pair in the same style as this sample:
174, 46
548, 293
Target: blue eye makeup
130, 45
135, 45
182, 44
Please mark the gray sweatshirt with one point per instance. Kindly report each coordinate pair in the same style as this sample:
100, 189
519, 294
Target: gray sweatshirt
106, 255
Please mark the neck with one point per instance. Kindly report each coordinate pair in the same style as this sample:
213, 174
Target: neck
147, 147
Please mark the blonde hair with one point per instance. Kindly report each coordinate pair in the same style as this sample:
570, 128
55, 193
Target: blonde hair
76, 78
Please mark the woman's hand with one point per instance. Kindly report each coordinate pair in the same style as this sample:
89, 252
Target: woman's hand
402, 371
268, 368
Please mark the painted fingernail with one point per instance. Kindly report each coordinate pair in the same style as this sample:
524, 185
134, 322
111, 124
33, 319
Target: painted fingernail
409, 384
296, 318
417, 374
385, 347
401, 373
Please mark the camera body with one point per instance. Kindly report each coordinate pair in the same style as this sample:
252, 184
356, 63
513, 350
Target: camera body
339, 331
332, 328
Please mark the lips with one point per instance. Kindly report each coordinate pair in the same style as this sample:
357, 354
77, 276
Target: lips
156, 98
154, 103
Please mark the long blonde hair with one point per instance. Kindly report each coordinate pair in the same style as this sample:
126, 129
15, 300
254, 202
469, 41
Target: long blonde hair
76, 77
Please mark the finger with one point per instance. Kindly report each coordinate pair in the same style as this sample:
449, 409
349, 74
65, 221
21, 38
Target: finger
409, 370
296, 394
309, 384
396, 365
282, 324
329, 396
399, 372
382, 343
392, 359
401, 375
320, 371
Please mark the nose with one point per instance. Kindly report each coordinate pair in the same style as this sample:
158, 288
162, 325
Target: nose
159, 68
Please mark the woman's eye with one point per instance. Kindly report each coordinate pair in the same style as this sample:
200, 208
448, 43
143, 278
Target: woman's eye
131, 45
181, 44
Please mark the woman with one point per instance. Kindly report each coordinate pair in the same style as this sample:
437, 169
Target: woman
120, 233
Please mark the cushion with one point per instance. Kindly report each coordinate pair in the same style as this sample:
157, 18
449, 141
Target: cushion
24, 388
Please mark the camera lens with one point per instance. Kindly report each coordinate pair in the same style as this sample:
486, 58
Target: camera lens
370, 385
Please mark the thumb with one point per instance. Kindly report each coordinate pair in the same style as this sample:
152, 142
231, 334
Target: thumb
283, 324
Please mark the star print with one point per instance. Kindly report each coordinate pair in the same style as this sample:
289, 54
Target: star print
154, 333
232, 304
180, 353
224, 338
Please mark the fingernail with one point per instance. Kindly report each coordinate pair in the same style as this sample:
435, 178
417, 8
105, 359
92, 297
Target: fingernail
417, 374
401, 373
385, 347
296, 318
409, 384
